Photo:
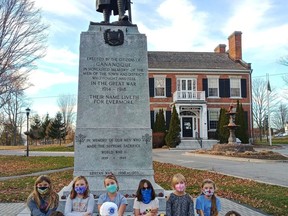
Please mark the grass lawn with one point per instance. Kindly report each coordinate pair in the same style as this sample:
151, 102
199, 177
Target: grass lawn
19, 165
275, 141
270, 199
53, 148
17, 190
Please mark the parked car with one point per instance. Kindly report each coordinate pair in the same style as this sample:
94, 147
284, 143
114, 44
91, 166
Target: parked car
279, 135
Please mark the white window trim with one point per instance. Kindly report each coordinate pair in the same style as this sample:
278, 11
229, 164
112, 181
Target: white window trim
213, 109
193, 79
240, 90
163, 77
159, 76
186, 76
235, 77
213, 77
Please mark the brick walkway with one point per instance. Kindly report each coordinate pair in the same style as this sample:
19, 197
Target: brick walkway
11, 209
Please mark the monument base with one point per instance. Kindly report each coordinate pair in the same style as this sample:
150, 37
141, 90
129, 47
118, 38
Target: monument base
129, 209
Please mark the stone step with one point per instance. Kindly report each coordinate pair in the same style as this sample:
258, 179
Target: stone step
26, 212
194, 144
129, 208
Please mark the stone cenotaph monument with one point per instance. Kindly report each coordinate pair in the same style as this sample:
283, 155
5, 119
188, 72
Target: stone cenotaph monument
113, 132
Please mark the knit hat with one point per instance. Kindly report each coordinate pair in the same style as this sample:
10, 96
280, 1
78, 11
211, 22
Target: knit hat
109, 209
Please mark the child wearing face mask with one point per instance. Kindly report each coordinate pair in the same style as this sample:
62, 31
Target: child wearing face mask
43, 200
146, 202
207, 204
179, 202
81, 201
112, 195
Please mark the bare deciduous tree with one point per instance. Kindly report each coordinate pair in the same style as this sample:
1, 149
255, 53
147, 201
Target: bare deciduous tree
22, 41
280, 117
284, 60
66, 104
15, 116
260, 102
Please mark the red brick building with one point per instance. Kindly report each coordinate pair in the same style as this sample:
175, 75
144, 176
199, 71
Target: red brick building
199, 84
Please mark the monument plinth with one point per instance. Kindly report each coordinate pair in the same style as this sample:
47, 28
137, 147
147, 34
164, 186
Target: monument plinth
113, 126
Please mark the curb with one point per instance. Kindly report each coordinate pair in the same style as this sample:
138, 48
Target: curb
35, 174
235, 158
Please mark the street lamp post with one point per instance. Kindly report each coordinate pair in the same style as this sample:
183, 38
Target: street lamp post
27, 114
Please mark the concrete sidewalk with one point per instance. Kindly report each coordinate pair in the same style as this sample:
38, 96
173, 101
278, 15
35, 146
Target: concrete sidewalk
20, 209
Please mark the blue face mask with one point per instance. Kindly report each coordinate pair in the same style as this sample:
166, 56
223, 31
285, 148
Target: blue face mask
111, 188
146, 195
80, 189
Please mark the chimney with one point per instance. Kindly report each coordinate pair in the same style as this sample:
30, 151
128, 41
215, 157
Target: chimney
221, 48
235, 45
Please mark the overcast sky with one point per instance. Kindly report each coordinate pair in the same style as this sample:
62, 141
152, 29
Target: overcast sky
189, 25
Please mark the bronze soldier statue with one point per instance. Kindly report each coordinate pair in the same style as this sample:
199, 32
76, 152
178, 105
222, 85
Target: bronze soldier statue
117, 6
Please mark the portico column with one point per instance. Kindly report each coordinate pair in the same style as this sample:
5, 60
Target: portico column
204, 131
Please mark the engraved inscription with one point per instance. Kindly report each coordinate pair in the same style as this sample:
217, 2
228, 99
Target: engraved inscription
114, 79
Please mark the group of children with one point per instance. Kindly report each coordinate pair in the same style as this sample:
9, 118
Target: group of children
43, 201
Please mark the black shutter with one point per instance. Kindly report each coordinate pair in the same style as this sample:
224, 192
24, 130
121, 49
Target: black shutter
168, 87
168, 118
224, 88
205, 87
243, 88
152, 118
208, 123
151, 87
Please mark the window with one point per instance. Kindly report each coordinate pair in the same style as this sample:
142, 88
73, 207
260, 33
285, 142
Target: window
186, 88
235, 87
213, 119
159, 86
213, 87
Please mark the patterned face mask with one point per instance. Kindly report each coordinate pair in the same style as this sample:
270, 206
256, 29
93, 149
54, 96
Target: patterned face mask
208, 192
42, 190
80, 189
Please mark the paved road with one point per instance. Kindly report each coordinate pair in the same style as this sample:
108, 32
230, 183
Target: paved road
264, 171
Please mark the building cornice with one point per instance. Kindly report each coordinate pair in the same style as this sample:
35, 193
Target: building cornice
167, 70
